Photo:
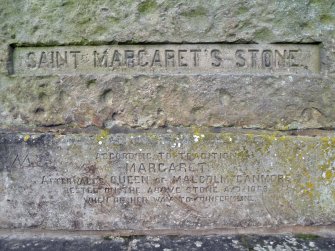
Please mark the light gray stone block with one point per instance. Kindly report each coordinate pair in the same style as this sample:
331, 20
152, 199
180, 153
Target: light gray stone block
194, 180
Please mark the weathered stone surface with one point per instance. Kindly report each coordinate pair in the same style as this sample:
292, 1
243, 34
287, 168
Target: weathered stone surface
167, 178
277, 102
252, 101
67, 21
193, 179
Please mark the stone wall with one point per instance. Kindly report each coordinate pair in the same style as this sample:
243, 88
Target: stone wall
138, 115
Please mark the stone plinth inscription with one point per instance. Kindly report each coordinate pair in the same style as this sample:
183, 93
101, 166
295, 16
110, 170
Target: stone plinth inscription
167, 58
145, 181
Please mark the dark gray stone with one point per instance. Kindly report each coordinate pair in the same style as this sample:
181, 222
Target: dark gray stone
167, 243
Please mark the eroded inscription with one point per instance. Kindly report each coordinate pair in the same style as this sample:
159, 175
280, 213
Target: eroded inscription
157, 181
149, 177
169, 58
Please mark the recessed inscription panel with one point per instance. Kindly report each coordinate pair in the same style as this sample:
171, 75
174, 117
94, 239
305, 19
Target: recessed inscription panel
168, 59
150, 181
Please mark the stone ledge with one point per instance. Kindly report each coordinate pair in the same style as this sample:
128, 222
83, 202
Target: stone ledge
167, 243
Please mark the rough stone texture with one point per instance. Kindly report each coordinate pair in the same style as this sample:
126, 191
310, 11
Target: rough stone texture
257, 101
302, 192
299, 242
165, 180
288, 102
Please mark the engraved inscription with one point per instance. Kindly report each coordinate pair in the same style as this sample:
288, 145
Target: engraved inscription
136, 181
149, 177
168, 59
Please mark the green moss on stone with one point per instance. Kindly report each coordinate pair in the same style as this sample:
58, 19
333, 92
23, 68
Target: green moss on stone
328, 143
243, 154
242, 10
307, 237
198, 11
263, 34
268, 140
103, 135
153, 136
147, 6
327, 19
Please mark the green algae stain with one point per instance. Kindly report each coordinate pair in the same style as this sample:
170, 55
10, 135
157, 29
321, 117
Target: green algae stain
327, 19
243, 154
199, 134
327, 143
196, 131
310, 190
263, 34
100, 29
282, 138
242, 10
250, 136
307, 237
227, 137
199, 11
327, 146
174, 153
309, 185
26, 138
147, 6
153, 136
325, 166
328, 174
103, 135
268, 141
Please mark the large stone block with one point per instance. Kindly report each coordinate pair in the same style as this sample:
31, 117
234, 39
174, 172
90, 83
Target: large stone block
195, 180
147, 74
253, 95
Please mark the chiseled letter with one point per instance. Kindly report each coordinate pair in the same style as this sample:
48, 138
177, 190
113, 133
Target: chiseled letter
100, 61
216, 56
31, 60
240, 59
